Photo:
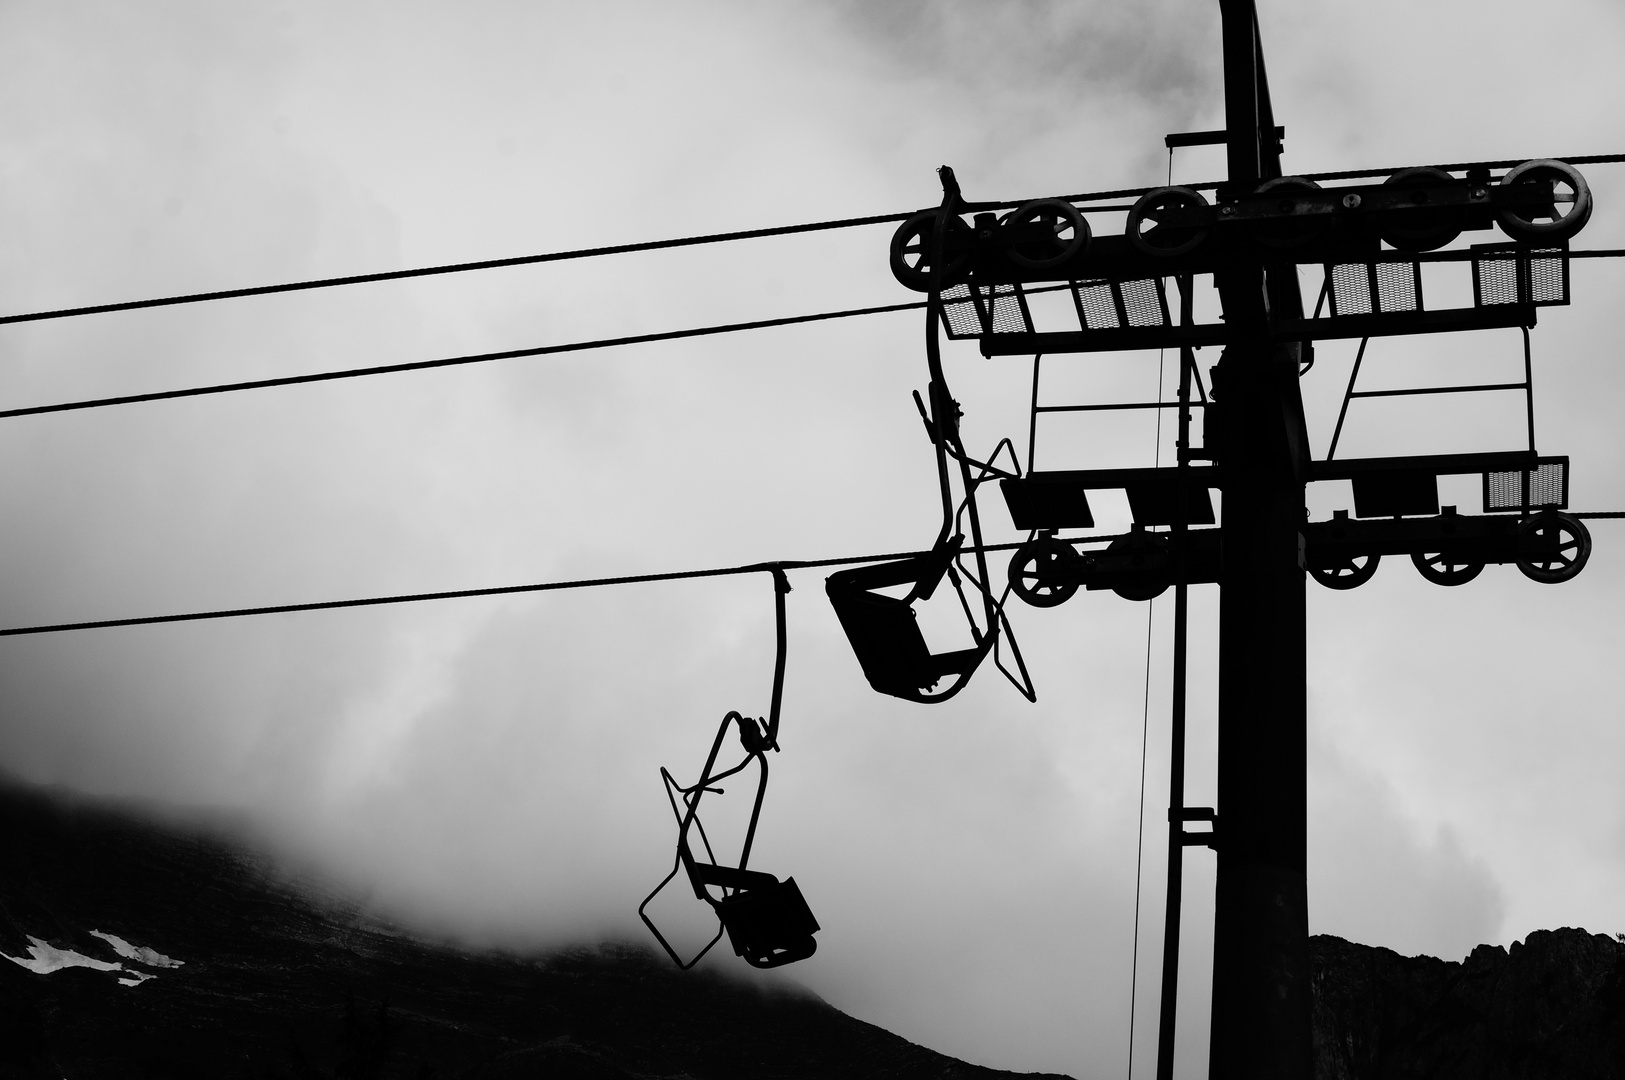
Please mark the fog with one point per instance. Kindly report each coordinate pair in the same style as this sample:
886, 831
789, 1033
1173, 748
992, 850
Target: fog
487, 769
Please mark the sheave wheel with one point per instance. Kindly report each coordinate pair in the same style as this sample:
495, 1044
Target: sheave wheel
1408, 223
1349, 573
1059, 232
1566, 544
1187, 217
1442, 568
1148, 550
911, 251
1291, 229
1043, 572
1557, 218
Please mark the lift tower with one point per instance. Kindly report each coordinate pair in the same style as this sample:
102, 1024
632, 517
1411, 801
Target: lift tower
1261, 1008
1370, 242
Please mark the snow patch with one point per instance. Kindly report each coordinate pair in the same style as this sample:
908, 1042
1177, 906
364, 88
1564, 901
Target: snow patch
149, 957
45, 959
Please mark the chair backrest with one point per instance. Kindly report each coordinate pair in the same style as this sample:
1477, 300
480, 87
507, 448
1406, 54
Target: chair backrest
886, 638
885, 634
770, 923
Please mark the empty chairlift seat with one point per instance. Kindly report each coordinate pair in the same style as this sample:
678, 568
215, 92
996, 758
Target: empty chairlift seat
767, 920
885, 633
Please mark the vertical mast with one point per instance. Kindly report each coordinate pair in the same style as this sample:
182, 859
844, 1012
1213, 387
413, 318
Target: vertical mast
1261, 1008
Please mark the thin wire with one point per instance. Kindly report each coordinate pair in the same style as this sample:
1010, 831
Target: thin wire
450, 268
543, 350
500, 590
450, 361
518, 260
1139, 841
545, 586
675, 242
475, 358
1145, 740
1145, 733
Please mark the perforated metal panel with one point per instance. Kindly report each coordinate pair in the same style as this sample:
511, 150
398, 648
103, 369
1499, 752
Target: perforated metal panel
1351, 289
971, 311
1110, 305
1399, 285
1549, 277
1502, 274
1008, 309
1510, 275
1549, 485
959, 312
1503, 491
1096, 305
1495, 281
1545, 487
1144, 303
1375, 287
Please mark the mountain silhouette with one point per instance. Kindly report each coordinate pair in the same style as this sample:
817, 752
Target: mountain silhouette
1552, 1007
140, 950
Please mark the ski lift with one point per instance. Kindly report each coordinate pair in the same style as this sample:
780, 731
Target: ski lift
883, 628
884, 631
767, 920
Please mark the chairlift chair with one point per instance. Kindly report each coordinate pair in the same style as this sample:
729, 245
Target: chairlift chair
882, 628
767, 920
885, 633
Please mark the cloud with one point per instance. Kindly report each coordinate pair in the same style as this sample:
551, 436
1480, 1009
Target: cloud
488, 769
1381, 877
1160, 51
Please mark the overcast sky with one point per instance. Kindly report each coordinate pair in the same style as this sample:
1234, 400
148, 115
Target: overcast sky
488, 769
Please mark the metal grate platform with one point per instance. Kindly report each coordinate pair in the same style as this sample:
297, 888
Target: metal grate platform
1506, 274
1375, 287
1114, 305
1545, 487
978, 310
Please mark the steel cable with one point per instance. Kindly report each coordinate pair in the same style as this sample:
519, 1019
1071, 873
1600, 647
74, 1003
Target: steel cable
448, 361
546, 586
499, 590
472, 358
674, 242
447, 268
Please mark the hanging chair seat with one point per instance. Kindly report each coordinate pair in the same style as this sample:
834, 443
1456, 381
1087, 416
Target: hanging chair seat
884, 631
768, 921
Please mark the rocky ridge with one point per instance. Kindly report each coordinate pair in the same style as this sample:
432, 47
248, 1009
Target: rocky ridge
1551, 1006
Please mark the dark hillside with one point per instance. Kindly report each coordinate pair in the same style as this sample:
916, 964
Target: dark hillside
271, 984
1552, 1006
